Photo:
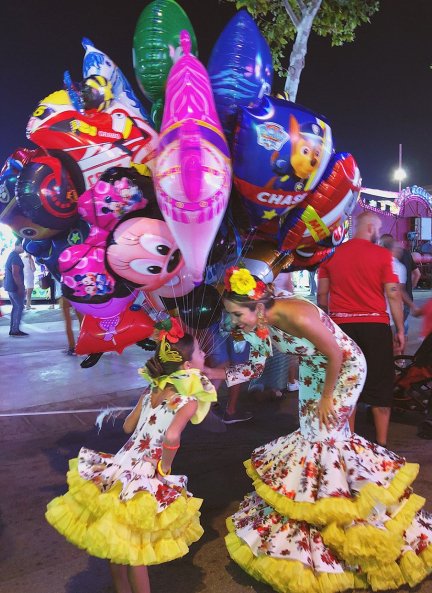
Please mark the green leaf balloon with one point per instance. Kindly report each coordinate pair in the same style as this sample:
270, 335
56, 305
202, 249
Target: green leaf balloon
158, 28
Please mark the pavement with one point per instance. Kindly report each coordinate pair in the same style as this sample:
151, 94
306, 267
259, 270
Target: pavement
49, 405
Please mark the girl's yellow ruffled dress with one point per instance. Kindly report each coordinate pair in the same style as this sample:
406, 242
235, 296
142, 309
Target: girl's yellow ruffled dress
117, 507
330, 511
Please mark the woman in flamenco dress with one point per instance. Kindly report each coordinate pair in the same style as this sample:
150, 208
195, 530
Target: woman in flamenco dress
330, 511
128, 508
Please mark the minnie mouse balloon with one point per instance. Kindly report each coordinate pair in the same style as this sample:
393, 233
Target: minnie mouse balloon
193, 170
321, 218
279, 155
240, 68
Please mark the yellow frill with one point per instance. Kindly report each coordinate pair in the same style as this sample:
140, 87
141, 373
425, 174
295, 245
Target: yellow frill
341, 511
285, 574
129, 532
187, 383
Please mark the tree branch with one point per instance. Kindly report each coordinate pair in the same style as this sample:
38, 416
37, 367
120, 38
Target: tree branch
292, 15
302, 6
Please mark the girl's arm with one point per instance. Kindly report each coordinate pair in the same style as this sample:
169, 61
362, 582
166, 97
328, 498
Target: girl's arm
172, 437
131, 421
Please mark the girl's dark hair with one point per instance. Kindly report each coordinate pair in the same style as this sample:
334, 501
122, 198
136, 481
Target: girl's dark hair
245, 301
185, 347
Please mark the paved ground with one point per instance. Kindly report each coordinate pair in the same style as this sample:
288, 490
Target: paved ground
35, 376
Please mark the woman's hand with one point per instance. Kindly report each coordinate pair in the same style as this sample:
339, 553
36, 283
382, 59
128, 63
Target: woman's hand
326, 412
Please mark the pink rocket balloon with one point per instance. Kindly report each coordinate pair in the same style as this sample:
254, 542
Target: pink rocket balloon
193, 168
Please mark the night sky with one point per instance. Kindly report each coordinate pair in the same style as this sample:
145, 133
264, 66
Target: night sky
375, 92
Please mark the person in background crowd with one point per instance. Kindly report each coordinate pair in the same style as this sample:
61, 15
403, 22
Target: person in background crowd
29, 273
14, 286
412, 277
352, 287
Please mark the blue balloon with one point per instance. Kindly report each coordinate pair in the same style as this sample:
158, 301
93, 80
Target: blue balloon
240, 68
48, 251
279, 155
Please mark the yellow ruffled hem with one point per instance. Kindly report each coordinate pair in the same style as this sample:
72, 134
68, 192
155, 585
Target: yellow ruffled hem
129, 532
336, 509
285, 574
410, 569
370, 546
140, 510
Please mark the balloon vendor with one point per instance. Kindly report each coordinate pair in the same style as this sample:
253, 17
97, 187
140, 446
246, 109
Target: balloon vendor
129, 508
331, 511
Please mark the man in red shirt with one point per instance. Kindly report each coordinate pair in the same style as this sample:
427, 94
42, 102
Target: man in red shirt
352, 287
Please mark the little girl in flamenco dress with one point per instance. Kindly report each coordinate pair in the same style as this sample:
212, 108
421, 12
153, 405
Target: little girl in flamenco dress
128, 508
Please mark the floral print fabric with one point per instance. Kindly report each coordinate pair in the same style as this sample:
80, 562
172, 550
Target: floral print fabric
134, 465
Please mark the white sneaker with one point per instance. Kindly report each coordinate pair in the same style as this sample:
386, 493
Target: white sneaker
293, 386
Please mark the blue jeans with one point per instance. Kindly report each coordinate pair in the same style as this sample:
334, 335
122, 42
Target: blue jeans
17, 302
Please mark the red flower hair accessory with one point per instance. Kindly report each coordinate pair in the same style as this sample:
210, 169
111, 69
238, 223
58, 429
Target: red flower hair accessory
170, 329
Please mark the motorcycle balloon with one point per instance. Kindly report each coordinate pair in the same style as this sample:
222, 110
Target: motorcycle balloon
240, 68
200, 308
280, 152
46, 194
193, 171
322, 217
157, 29
113, 333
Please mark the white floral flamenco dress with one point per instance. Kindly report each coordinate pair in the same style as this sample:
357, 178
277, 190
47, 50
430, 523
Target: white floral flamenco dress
331, 511
117, 507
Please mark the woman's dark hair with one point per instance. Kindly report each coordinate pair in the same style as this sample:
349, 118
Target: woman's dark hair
246, 301
185, 347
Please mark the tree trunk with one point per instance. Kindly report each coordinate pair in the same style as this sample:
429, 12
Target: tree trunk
299, 50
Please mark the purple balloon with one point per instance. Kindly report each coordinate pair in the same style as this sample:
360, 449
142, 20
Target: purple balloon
104, 310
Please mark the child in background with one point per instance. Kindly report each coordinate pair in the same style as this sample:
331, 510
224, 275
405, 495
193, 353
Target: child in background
127, 507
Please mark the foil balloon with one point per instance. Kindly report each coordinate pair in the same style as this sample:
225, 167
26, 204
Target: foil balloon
118, 192
113, 333
10, 211
311, 258
84, 274
97, 63
240, 68
91, 140
110, 308
156, 35
280, 152
264, 260
48, 251
142, 252
322, 218
193, 170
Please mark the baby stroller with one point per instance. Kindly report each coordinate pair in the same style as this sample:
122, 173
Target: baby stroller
413, 378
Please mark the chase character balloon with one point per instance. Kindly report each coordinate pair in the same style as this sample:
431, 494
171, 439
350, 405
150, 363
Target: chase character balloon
280, 152
143, 252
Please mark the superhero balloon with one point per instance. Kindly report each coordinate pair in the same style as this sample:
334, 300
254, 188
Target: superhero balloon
201, 307
97, 63
240, 68
193, 171
142, 252
279, 155
322, 217
156, 35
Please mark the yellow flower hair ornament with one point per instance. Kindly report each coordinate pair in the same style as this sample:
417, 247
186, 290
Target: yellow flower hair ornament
239, 280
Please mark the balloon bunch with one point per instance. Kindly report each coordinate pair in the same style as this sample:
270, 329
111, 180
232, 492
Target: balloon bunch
116, 201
